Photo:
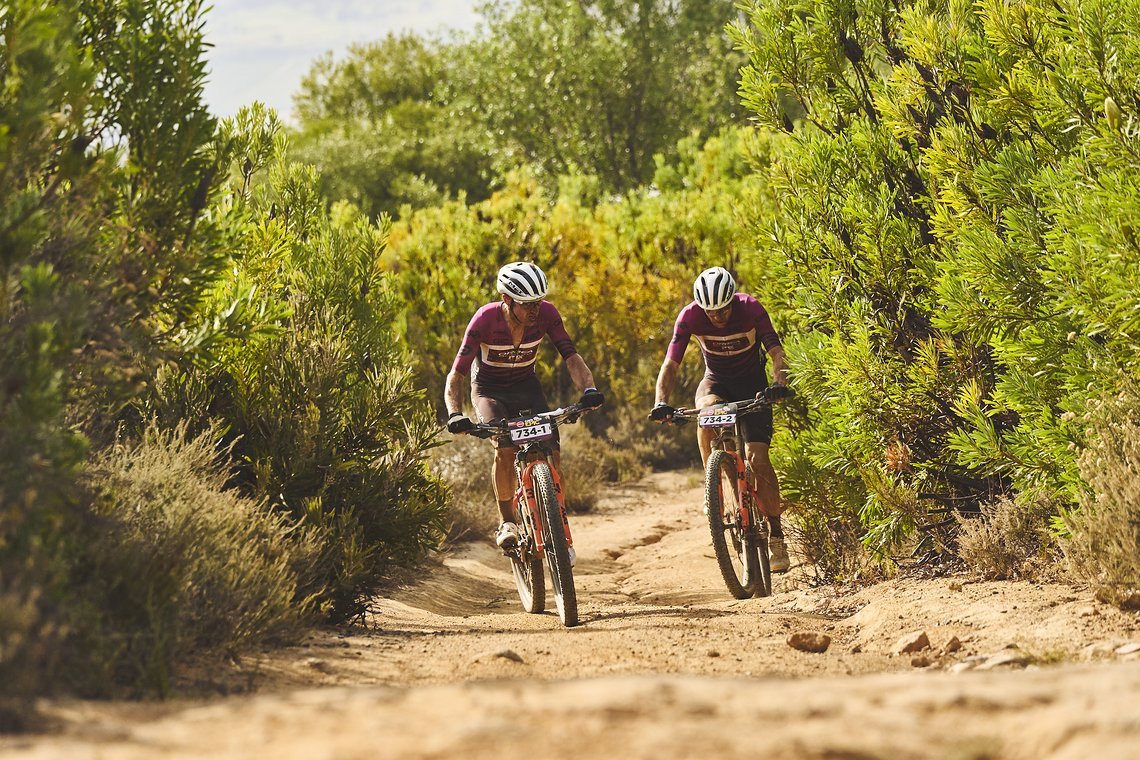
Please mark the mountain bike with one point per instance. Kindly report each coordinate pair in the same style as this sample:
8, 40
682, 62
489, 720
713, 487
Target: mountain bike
544, 532
739, 530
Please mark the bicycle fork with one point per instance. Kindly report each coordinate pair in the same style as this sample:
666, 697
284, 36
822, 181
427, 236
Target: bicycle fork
747, 497
524, 497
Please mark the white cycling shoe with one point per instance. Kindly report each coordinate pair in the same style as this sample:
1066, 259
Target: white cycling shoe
778, 555
508, 536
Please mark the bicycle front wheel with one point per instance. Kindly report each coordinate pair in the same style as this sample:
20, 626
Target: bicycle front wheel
764, 584
529, 580
554, 540
760, 534
735, 548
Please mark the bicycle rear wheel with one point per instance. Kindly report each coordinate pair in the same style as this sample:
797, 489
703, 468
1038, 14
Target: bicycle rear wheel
735, 548
554, 540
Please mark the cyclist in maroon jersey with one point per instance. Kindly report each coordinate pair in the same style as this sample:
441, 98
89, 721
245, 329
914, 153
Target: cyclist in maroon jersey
499, 351
731, 329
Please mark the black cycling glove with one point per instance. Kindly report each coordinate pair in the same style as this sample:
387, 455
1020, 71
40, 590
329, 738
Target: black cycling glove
661, 412
778, 392
592, 398
459, 423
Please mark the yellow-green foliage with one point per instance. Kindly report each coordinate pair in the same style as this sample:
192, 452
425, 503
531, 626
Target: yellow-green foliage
957, 206
620, 269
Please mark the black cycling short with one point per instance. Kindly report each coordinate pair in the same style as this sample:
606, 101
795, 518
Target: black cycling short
757, 425
494, 403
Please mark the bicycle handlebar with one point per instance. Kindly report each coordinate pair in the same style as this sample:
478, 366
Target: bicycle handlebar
569, 414
683, 415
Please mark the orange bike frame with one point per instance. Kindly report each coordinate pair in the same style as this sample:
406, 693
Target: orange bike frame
744, 489
526, 493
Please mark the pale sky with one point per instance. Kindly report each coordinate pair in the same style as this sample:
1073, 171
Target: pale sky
262, 48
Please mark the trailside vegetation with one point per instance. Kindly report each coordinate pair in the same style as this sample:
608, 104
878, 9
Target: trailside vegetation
956, 235
223, 345
207, 435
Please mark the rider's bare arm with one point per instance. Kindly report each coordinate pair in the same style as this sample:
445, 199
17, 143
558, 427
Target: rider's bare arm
779, 365
666, 380
453, 392
579, 372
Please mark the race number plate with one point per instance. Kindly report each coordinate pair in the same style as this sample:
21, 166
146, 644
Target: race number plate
723, 415
530, 429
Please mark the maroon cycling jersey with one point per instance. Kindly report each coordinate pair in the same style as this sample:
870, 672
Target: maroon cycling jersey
732, 350
490, 355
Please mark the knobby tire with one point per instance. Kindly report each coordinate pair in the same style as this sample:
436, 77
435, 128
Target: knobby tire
529, 580
735, 550
764, 587
557, 550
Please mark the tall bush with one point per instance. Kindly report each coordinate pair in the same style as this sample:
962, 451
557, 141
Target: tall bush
157, 268
325, 422
956, 204
103, 180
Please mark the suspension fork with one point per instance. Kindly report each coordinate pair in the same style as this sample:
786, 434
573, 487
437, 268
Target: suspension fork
745, 494
744, 490
525, 493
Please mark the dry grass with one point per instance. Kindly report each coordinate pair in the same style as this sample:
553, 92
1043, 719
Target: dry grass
1103, 547
464, 464
183, 565
1009, 540
830, 547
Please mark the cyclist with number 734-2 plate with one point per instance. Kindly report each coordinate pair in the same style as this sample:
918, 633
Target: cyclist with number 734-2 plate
731, 329
499, 351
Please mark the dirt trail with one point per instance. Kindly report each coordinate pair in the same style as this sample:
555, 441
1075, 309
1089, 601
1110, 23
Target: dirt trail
664, 665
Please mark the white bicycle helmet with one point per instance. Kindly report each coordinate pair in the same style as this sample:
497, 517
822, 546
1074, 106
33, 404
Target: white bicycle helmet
714, 288
522, 281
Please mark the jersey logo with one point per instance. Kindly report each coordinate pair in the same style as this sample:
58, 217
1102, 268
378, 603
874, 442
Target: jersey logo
728, 345
509, 356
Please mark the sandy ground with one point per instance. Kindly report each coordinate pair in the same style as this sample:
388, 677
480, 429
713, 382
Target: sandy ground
664, 665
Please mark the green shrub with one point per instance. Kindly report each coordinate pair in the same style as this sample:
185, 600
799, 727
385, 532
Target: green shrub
103, 247
307, 375
824, 515
955, 236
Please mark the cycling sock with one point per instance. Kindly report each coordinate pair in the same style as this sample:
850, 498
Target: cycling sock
774, 528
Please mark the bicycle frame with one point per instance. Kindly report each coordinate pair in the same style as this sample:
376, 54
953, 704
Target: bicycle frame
540, 510
731, 441
739, 533
526, 458
527, 455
